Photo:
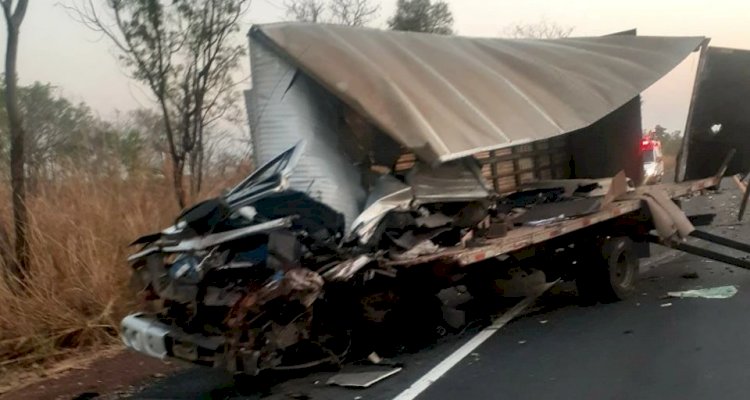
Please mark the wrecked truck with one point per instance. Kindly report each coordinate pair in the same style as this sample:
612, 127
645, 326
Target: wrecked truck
399, 165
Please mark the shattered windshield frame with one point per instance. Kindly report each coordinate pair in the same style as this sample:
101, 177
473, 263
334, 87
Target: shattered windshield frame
271, 177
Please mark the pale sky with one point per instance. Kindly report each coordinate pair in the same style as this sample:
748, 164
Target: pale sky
56, 49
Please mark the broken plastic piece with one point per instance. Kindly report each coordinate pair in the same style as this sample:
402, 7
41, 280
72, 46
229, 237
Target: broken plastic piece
617, 188
374, 358
362, 379
422, 248
720, 292
434, 220
454, 317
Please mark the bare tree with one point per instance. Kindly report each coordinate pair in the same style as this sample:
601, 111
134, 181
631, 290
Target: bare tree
539, 30
353, 12
13, 18
183, 51
306, 10
342, 12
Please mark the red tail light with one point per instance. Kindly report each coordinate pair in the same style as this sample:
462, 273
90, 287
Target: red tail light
649, 144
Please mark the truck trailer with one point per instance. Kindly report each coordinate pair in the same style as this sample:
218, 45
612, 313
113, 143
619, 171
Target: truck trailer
396, 166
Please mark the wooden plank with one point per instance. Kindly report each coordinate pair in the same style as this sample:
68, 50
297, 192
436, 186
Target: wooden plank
494, 167
517, 155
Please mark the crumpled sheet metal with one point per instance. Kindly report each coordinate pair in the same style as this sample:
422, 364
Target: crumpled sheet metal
447, 97
298, 283
543, 214
419, 249
388, 194
668, 219
571, 185
454, 181
346, 269
289, 107
305, 284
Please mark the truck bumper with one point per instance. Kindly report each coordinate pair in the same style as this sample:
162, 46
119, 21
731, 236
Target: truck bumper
147, 335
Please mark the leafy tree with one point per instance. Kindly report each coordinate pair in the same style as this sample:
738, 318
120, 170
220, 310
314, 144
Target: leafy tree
54, 128
422, 16
342, 12
62, 137
183, 51
13, 18
670, 141
142, 142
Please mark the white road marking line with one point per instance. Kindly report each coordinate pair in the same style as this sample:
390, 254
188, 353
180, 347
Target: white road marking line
444, 366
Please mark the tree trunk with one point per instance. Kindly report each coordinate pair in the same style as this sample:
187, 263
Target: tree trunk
178, 171
199, 177
192, 167
20, 213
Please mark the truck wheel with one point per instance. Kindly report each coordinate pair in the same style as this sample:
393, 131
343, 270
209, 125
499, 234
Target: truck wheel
611, 274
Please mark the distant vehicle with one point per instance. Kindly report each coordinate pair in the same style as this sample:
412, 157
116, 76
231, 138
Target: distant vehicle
653, 161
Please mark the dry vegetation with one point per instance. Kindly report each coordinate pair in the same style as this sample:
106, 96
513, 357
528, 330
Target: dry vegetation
78, 287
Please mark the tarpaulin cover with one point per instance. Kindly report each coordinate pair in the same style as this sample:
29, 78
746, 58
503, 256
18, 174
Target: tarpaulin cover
446, 97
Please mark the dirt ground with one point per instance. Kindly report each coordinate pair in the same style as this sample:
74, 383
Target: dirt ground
108, 376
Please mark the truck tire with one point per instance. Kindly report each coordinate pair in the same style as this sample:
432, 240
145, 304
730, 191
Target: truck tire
611, 274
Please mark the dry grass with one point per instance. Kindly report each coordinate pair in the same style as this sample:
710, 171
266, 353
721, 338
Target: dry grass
77, 288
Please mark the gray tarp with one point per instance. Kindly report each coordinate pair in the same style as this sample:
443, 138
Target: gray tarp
447, 97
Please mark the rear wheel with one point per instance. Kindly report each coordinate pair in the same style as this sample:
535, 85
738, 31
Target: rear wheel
610, 274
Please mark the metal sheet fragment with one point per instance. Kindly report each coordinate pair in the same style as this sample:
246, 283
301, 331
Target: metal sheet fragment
667, 216
388, 194
454, 181
362, 379
617, 188
572, 186
543, 214
421, 248
346, 270
447, 97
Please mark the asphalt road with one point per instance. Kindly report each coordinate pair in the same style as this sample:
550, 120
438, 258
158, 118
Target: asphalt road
647, 347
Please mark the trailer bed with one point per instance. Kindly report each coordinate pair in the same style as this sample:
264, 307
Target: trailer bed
519, 238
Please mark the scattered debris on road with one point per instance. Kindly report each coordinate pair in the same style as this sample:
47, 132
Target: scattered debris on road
721, 292
363, 379
374, 358
690, 275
